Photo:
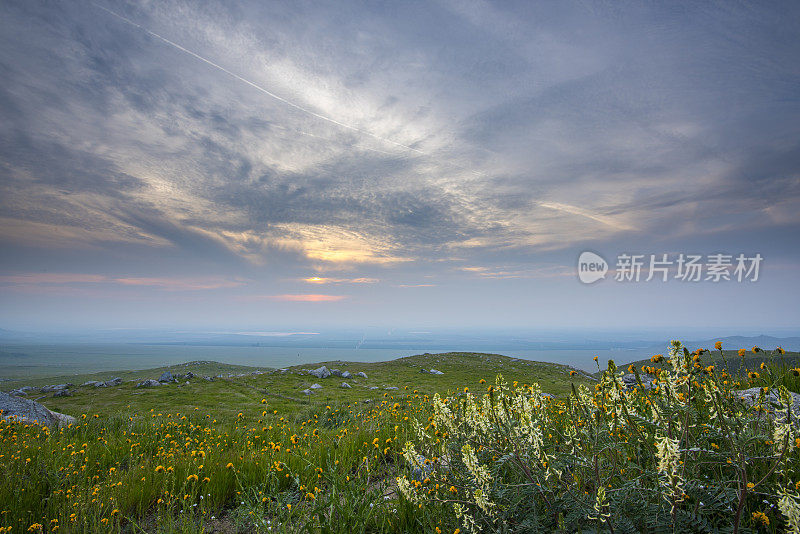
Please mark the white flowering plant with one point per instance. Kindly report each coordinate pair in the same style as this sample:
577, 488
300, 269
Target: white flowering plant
675, 451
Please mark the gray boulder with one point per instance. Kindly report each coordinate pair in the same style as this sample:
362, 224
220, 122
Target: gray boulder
374, 387
315, 386
189, 375
113, 382
149, 383
345, 385
62, 393
16, 408
362, 374
751, 397
55, 387
391, 387
307, 392
17, 393
322, 372
166, 377
347, 374
92, 383
336, 372
435, 372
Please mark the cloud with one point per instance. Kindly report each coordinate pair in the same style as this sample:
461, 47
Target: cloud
297, 297
28, 281
326, 280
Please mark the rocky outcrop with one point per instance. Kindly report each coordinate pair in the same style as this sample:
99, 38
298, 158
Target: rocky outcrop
322, 372
149, 383
20, 409
166, 378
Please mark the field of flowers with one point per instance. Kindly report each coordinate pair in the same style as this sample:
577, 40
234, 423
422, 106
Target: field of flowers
683, 455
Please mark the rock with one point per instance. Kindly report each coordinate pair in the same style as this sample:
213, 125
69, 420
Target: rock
347, 374
16, 408
209, 378
315, 386
362, 374
374, 387
92, 383
149, 383
166, 377
345, 385
322, 372
391, 387
56, 387
189, 375
751, 396
435, 372
307, 392
113, 382
62, 393
27, 389
17, 393
336, 372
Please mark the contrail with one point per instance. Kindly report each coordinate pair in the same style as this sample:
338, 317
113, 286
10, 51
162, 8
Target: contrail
254, 85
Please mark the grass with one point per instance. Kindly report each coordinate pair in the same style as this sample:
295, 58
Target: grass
240, 453
252, 453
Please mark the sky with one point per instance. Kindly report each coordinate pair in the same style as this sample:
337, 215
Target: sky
258, 165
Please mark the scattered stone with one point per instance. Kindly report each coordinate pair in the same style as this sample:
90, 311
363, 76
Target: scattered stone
166, 377
362, 374
209, 378
307, 391
347, 374
374, 387
336, 372
92, 383
113, 382
345, 385
189, 375
391, 387
18, 393
62, 393
56, 387
30, 411
430, 372
752, 395
27, 389
322, 372
149, 383
315, 386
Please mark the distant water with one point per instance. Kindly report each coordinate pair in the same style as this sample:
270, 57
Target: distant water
19, 361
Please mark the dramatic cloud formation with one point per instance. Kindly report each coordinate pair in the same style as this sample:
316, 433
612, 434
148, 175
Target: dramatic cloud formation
242, 150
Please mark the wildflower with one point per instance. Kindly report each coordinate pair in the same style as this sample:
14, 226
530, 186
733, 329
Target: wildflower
34, 527
718, 345
763, 366
657, 358
761, 517
482, 381
159, 469
780, 349
741, 352
796, 372
572, 373
192, 478
750, 485
755, 350
229, 466
752, 375
452, 489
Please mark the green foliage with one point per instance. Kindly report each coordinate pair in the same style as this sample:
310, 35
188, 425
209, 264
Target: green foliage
686, 454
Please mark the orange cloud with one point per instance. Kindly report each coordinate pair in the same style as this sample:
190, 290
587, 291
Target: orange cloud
307, 298
322, 280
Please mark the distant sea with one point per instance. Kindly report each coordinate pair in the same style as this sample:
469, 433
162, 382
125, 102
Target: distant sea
39, 360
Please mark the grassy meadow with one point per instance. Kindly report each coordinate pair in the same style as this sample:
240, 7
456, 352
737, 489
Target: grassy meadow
479, 448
